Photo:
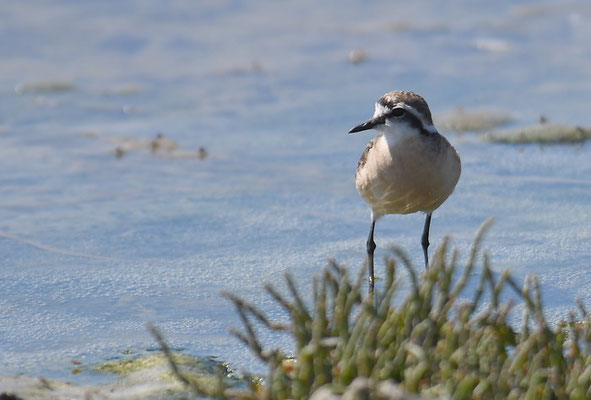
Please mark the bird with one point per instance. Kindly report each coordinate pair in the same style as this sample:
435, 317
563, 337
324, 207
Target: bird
408, 167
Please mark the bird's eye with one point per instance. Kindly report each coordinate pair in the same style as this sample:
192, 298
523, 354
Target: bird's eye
398, 112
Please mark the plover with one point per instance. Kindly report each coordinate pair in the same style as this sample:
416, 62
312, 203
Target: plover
409, 167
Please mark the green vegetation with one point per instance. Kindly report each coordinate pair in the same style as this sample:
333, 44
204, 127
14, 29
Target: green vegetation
434, 341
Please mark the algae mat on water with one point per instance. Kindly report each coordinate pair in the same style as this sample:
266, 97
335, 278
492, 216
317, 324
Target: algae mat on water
543, 134
144, 377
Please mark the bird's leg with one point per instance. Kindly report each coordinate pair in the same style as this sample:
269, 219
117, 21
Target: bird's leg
371, 246
425, 239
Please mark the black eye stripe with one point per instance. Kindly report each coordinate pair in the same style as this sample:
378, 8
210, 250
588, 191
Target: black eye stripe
408, 117
398, 112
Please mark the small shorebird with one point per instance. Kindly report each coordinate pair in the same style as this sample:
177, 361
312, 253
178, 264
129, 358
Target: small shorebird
408, 168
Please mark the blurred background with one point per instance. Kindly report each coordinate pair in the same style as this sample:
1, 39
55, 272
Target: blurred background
154, 153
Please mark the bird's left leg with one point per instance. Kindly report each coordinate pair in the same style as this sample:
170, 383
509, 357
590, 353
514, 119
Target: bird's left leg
425, 239
371, 246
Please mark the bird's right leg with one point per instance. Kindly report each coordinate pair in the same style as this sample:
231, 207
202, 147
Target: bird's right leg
425, 239
371, 246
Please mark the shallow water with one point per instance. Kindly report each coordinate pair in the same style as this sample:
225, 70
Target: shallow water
92, 246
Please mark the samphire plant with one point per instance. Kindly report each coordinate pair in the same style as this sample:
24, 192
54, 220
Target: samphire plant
437, 340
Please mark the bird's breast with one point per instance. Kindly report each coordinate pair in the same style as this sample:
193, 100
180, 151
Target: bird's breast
413, 174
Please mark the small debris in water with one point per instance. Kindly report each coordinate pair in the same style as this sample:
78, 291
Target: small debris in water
534, 10
162, 144
254, 67
89, 134
358, 56
119, 152
44, 87
405, 26
399, 26
130, 109
125, 90
44, 101
159, 146
492, 45
201, 154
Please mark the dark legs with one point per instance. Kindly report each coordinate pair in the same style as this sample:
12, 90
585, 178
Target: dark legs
425, 239
371, 246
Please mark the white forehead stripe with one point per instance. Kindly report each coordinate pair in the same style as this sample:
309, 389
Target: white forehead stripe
381, 110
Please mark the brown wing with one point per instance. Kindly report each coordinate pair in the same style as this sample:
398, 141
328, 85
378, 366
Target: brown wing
363, 158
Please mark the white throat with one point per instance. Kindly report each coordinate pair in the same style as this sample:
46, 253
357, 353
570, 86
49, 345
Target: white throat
396, 132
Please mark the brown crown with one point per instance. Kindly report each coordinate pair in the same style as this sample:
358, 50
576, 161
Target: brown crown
412, 99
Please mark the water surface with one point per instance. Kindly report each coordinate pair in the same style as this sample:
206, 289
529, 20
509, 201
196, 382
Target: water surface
92, 245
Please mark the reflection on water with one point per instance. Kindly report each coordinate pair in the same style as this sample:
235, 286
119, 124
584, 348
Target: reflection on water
234, 164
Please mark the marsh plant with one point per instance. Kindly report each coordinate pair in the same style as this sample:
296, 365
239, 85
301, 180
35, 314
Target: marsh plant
435, 339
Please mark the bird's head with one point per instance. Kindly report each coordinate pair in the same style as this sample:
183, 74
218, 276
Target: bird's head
397, 112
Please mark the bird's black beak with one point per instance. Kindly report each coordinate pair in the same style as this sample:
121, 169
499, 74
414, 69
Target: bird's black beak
369, 124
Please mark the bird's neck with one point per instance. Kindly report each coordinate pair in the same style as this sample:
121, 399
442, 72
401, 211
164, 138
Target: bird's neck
394, 136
